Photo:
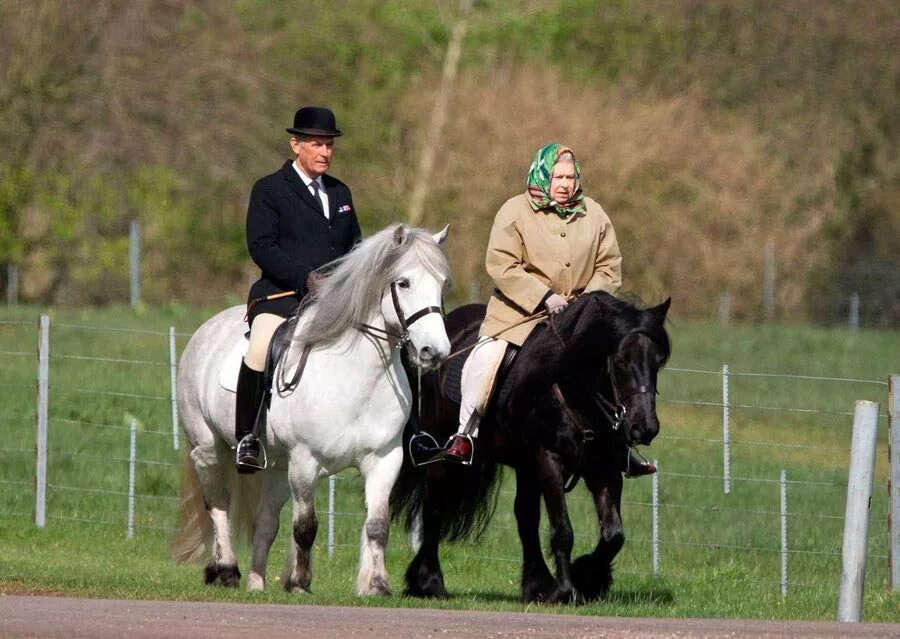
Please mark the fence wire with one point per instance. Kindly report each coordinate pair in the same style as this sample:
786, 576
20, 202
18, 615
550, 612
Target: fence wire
155, 454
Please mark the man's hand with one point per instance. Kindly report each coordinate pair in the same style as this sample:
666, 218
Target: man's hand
555, 303
313, 281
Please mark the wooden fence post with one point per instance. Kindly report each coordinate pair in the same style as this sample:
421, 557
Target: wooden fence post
856, 517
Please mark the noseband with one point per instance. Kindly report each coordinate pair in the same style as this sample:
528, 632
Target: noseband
402, 337
615, 411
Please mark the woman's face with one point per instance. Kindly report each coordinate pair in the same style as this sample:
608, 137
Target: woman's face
562, 181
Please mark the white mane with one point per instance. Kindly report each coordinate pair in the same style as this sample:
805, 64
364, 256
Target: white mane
353, 288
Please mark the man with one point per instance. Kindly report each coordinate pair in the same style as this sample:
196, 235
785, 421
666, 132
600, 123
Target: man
299, 220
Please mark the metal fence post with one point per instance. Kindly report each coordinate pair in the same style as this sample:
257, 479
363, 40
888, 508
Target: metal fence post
655, 520
12, 285
784, 543
134, 254
856, 517
726, 433
769, 282
40, 448
854, 313
132, 455
894, 480
331, 482
173, 378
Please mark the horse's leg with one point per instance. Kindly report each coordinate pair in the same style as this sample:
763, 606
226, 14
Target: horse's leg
537, 582
275, 492
211, 461
380, 476
592, 573
303, 473
562, 537
423, 576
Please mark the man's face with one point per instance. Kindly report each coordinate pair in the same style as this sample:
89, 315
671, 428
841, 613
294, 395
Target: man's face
313, 154
562, 181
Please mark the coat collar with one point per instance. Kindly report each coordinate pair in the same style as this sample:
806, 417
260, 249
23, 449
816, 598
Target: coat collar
300, 188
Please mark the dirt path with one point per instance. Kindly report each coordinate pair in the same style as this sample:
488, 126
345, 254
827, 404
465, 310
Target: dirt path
51, 617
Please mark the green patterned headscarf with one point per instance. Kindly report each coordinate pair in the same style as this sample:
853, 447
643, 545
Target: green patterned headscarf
538, 182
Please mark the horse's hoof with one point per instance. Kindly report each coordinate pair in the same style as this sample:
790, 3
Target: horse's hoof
256, 582
375, 588
225, 576
294, 587
592, 578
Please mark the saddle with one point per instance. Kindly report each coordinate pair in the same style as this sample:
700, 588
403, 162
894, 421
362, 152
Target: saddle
451, 378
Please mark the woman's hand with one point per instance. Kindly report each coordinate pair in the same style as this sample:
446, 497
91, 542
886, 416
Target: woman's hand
555, 303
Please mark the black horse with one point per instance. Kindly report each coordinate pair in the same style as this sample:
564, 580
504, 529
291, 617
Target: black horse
579, 394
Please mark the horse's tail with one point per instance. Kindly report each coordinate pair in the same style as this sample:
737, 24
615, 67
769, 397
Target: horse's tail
195, 531
465, 497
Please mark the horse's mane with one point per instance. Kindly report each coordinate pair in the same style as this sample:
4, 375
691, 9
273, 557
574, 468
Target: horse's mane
581, 336
352, 289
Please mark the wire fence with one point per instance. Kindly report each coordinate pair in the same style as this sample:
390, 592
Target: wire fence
751, 488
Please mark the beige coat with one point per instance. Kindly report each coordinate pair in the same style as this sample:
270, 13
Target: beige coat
531, 253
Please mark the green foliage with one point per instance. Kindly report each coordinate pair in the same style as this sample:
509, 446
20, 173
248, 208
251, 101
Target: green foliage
103, 121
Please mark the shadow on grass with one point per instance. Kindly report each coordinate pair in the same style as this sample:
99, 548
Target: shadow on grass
645, 597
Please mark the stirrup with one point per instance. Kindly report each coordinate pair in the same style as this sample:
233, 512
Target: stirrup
449, 445
424, 449
246, 468
644, 462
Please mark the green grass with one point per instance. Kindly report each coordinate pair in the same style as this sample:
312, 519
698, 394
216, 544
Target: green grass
719, 553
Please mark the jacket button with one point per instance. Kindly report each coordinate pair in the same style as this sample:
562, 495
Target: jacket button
568, 263
563, 234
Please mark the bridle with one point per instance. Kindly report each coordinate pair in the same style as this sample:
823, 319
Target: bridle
614, 411
402, 338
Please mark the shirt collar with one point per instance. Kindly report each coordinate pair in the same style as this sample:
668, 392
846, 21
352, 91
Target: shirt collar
303, 176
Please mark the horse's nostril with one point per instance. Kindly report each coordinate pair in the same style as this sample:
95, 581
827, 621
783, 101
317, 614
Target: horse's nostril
425, 353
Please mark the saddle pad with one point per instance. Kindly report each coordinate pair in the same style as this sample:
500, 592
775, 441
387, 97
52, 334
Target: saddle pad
452, 378
452, 373
231, 365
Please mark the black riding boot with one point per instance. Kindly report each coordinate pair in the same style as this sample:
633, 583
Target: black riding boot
251, 392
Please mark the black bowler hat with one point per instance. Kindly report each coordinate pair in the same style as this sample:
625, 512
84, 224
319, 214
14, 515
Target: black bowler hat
314, 121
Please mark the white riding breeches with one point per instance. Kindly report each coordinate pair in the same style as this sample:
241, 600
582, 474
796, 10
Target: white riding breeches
261, 332
477, 384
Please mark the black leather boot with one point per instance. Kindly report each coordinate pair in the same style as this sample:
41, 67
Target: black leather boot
251, 393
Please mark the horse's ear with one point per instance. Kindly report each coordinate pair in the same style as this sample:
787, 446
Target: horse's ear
399, 235
441, 237
661, 310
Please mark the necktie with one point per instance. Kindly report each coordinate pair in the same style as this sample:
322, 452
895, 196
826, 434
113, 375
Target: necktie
315, 187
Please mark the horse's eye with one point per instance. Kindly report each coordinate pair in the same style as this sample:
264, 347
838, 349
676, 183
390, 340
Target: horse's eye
403, 283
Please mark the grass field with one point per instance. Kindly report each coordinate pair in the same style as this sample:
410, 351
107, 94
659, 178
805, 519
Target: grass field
719, 554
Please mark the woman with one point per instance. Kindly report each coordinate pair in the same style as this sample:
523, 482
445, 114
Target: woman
547, 246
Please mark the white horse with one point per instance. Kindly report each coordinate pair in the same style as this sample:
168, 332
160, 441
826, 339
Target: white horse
348, 410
